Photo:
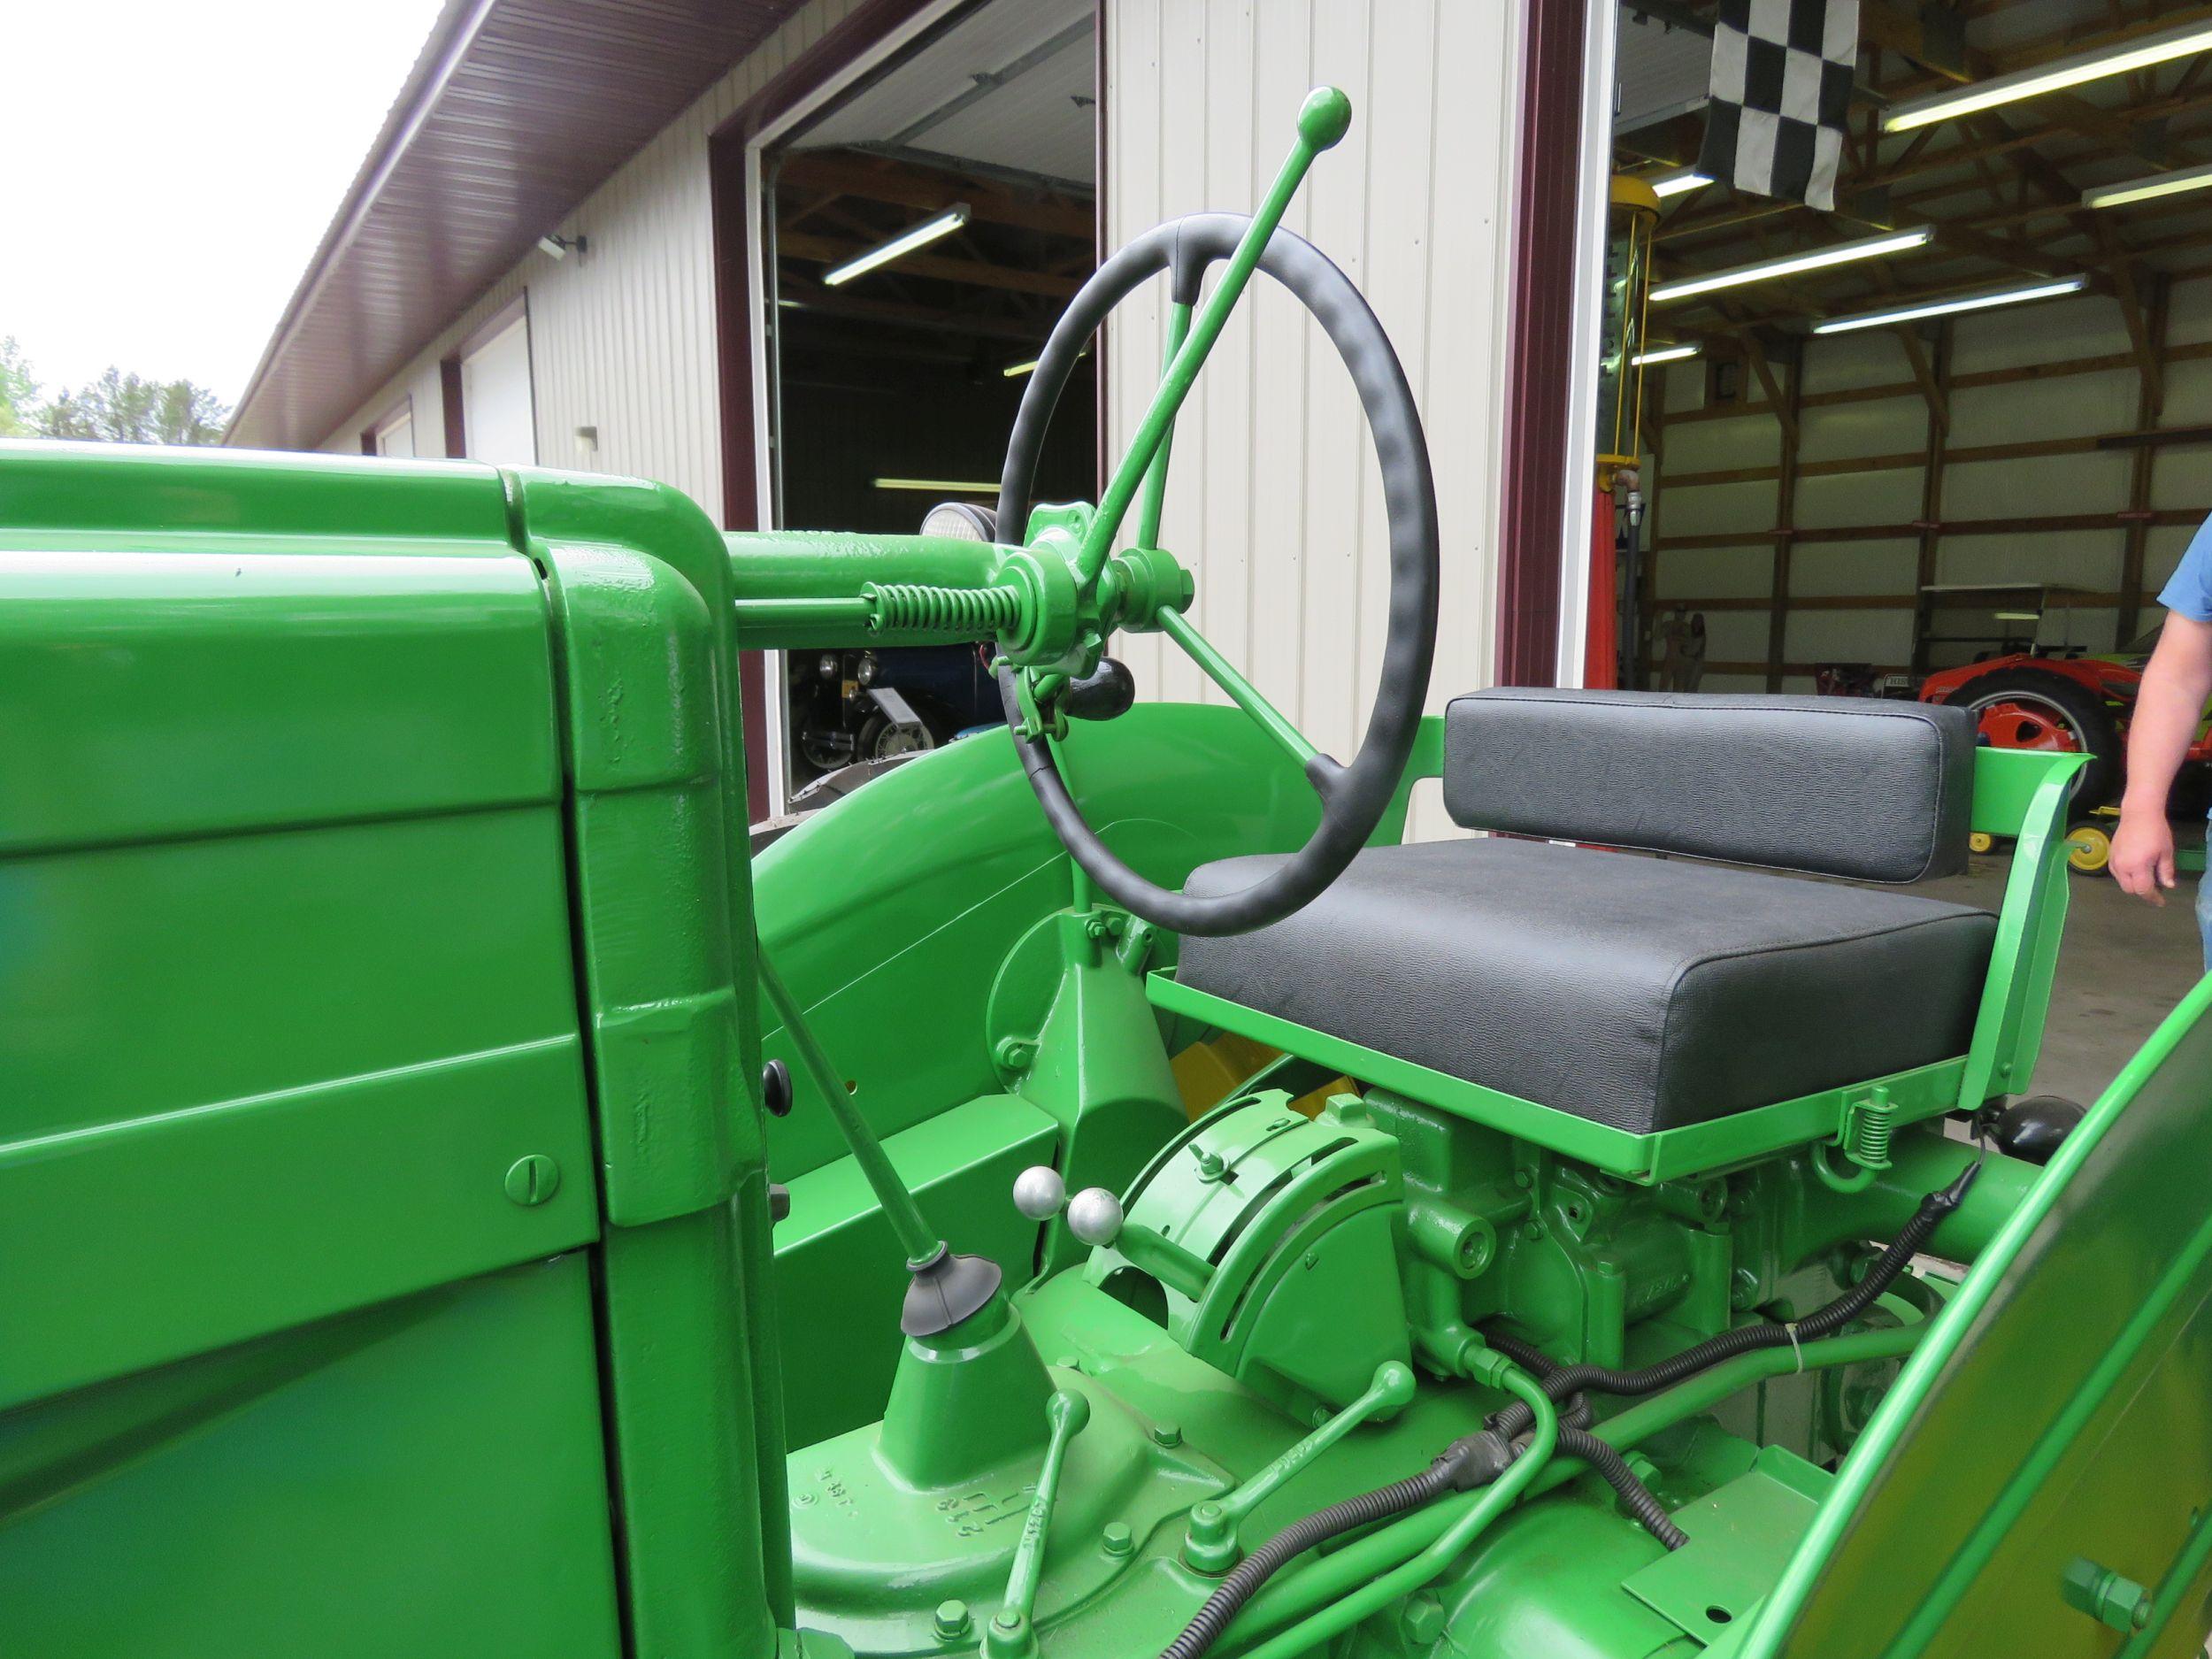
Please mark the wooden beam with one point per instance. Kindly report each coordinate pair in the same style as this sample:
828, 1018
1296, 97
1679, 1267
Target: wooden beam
1898, 461
1933, 468
1931, 388
2027, 525
835, 302
875, 179
2086, 599
2149, 401
1784, 518
830, 250
2191, 352
1784, 408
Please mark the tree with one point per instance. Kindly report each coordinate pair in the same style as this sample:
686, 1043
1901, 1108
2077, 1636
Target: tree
18, 392
119, 408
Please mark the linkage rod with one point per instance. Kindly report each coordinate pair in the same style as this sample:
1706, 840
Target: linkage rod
915, 1236
1322, 121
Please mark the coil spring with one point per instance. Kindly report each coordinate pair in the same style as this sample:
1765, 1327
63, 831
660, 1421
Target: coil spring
922, 608
1868, 1145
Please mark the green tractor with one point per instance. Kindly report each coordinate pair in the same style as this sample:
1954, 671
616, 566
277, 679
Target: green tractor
1091, 1194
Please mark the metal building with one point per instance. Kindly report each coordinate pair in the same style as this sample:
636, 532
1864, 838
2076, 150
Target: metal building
561, 250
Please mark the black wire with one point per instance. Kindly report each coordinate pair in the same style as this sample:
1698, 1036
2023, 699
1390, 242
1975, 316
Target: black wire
1562, 1382
1638, 1497
1477, 1459
1293, 1540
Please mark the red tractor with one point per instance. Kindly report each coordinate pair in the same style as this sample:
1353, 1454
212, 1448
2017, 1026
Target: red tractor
2027, 691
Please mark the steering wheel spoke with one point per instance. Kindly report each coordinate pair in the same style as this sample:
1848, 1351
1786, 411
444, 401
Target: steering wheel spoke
1354, 796
1242, 691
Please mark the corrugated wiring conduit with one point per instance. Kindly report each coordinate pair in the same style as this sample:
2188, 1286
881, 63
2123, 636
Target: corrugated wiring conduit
1331, 1594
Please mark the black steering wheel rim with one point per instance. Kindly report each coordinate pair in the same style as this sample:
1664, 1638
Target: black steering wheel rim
1354, 798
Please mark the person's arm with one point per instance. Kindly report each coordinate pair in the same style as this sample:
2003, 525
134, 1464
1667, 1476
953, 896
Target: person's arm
2176, 684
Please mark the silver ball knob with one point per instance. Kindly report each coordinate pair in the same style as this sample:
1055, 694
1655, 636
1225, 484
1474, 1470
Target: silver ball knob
1094, 1216
1039, 1191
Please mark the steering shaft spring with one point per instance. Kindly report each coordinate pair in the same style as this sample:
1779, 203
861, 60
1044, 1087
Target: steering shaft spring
922, 608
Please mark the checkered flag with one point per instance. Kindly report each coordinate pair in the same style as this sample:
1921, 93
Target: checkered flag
1781, 91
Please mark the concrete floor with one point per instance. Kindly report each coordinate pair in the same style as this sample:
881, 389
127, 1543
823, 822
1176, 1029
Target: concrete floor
2122, 965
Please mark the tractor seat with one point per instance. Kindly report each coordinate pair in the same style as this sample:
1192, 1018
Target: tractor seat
1648, 993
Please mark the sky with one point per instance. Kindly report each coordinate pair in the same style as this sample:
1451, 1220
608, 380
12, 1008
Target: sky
171, 168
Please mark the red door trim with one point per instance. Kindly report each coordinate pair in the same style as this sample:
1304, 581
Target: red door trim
1539, 346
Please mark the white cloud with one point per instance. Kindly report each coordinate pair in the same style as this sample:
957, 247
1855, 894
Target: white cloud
171, 169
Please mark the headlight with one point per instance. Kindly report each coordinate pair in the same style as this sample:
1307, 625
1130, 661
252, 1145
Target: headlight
828, 666
866, 672
961, 521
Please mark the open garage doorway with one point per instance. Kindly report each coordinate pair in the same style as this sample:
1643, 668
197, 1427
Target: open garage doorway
922, 233
1926, 414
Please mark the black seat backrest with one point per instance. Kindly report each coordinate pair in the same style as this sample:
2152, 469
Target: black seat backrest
1856, 786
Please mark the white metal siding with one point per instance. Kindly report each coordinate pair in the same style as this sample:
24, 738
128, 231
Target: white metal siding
1274, 501
623, 337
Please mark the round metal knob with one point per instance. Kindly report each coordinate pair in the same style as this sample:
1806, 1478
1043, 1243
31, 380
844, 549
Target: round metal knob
1094, 1216
1039, 1191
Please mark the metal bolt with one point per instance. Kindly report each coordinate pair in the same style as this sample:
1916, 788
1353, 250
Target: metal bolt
1522, 1179
1166, 1435
1209, 1165
1010, 1623
952, 1620
1014, 1053
533, 1178
1422, 1621
1118, 1540
1744, 1292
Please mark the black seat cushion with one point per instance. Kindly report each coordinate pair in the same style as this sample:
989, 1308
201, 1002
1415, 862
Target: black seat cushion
1643, 992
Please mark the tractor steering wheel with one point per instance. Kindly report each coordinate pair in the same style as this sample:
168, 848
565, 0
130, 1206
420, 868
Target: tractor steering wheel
1353, 797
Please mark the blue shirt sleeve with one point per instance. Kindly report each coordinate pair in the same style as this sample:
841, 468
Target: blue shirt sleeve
2190, 589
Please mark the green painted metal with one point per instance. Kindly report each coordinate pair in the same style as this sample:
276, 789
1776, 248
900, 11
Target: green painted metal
399, 1479
836, 1249
1178, 317
2053, 1412
1322, 123
383, 997
1209, 1542
1664, 1156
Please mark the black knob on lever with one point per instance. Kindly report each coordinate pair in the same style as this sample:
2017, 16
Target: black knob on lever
1105, 694
775, 1089
2032, 1129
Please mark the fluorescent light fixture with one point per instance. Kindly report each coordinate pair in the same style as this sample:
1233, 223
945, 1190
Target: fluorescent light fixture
2148, 189
2019, 616
938, 485
2122, 57
1664, 354
905, 243
1015, 371
1817, 258
1945, 308
1676, 183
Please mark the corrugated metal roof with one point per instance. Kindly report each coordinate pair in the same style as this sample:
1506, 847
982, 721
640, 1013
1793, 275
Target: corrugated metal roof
516, 111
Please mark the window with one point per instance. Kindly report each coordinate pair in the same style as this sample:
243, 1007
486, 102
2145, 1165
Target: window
395, 435
498, 416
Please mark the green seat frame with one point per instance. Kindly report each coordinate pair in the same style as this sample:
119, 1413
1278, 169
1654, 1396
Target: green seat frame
2018, 794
